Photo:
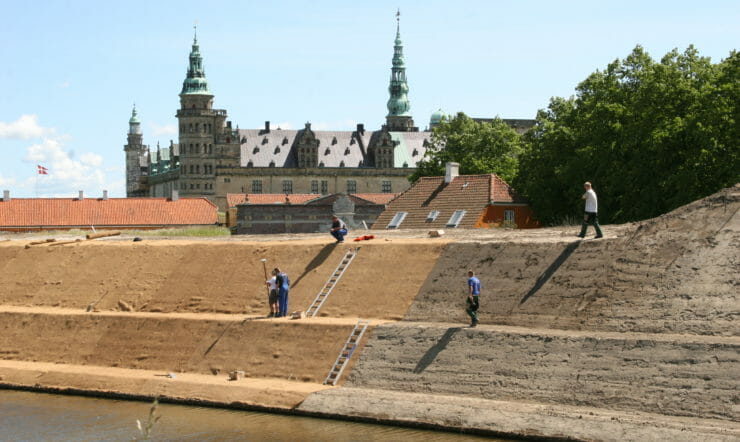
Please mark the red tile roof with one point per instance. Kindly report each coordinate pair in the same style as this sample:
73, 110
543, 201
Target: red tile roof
232, 199
471, 193
377, 198
71, 212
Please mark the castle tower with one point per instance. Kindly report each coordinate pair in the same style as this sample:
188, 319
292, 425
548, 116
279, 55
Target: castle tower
399, 108
202, 131
136, 151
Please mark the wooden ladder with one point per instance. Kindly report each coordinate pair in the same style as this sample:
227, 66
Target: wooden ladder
313, 309
349, 347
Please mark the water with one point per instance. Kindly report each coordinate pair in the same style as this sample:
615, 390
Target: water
28, 416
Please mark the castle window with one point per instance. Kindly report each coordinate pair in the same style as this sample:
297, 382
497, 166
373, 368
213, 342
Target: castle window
287, 186
386, 187
351, 186
210, 148
192, 169
190, 127
324, 187
314, 186
255, 150
256, 186
277, 149
227, 180
192, 186
197, 168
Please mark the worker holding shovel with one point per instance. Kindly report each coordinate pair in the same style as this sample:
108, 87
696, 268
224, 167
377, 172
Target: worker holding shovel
283, 285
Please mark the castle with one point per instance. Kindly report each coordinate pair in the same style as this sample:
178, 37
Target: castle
213, 159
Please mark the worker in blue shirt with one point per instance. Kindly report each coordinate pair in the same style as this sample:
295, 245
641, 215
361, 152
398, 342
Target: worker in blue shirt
283, 284
472, 300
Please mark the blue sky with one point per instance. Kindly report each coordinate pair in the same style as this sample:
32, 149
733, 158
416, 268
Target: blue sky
72, 69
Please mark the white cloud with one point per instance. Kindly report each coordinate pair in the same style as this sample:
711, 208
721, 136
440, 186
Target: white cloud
335, 125
65, 174
167, 129
24, 128
91, 159
64, 85
7, 182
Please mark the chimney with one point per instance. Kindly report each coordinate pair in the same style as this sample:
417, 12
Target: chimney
360, 128
82, 195
6, 196
267, 127
105, 195
451, 171
175, 195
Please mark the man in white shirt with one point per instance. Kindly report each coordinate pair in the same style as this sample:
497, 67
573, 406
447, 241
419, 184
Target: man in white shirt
273, 296
591, 211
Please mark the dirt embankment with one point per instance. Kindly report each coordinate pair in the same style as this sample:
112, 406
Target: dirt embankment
674, 274
214, 277
617, 371
262, 348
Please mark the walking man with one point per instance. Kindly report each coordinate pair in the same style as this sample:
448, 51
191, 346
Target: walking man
472, 300
283, 284
272, 298
338, 228
591, 212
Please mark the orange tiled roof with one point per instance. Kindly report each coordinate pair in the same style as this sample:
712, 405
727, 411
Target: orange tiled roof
377, 198
471, 193
65, 212
232, 199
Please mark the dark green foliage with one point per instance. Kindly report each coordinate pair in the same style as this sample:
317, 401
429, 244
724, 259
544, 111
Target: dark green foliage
651, 136
479, 148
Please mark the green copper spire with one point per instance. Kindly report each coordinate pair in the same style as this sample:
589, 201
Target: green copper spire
134, 116
195, 83
398, 104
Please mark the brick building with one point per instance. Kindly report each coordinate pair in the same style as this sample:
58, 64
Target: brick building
457, 201
34, 214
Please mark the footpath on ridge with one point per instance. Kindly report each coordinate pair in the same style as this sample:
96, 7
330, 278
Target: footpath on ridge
633, 336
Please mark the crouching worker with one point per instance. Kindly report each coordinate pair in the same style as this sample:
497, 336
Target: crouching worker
338, 229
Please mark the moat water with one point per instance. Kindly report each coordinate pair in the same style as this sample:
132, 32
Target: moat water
26, 416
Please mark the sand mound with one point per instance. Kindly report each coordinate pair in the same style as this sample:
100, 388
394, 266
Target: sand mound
673, 274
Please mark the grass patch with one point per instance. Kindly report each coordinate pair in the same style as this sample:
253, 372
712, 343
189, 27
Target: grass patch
182, 231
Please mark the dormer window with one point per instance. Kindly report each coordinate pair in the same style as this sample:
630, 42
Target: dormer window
405, 165
244, 140
334, 141
346, 151
264, 140
255, 150
285, 140
352, 141
250, 163
415, 152
341, 163
321, 164
277, 149
272, 163
327, 151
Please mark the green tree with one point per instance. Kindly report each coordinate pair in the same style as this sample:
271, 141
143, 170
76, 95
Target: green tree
650, 135
479, 147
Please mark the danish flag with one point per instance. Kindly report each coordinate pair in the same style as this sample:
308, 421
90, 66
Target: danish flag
42, 170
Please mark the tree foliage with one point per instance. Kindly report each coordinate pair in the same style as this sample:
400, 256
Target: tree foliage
479, 147
651, 136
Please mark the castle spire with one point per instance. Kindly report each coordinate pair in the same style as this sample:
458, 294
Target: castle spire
399, 107
195, 82
134, 124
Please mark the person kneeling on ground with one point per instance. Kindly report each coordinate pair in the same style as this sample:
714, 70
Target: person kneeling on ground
338, 228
